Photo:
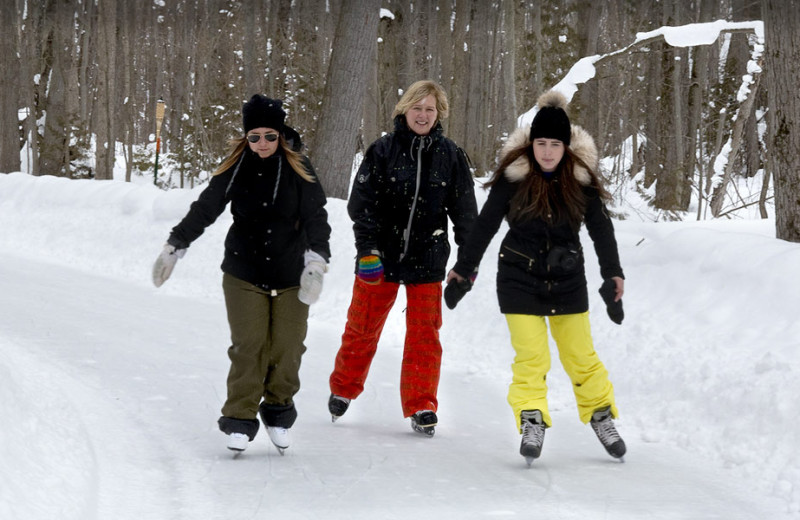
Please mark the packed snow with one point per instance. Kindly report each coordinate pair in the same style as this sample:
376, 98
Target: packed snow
110, 388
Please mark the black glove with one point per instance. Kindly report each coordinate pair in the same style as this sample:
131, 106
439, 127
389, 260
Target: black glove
609, 291
456, 290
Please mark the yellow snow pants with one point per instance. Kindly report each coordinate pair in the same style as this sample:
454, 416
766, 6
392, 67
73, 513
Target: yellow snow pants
572, 334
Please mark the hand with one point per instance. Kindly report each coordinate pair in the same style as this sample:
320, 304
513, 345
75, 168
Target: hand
370, 269
612, 291
165, 263
457, 287
452, 275
311, 278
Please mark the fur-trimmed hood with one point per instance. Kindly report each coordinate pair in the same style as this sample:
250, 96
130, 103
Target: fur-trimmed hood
581, 144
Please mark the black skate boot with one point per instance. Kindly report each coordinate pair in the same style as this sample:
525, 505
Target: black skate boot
603, 425
424, 422
532, 435
337, 405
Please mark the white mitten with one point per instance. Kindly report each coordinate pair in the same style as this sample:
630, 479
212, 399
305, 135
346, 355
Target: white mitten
311, 278
165, 263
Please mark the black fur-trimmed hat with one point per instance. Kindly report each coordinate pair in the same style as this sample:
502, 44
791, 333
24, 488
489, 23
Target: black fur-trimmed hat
262, 111
551, 121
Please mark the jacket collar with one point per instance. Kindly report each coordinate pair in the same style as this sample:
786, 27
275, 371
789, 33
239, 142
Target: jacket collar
404, 132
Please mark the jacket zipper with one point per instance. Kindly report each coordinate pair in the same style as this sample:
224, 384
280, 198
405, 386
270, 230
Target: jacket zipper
531, 261
407, 230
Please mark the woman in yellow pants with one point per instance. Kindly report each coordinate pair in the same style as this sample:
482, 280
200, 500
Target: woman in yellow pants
547, 186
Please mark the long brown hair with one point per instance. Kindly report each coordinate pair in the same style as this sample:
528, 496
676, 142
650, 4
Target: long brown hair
559, 200
239, 145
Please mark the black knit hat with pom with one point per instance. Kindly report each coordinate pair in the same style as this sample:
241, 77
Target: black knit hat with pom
262, 111
551, 121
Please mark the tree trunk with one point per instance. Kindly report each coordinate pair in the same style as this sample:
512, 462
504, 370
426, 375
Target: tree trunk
31, 65
698, 86
652, 127
353, 49
782, 64
737, 135
105, 107
373, 119
9, 104
456, 128
478, 74
62, 92
506, 115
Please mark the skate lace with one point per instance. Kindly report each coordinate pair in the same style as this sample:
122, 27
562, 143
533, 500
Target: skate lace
532, 433
606, 431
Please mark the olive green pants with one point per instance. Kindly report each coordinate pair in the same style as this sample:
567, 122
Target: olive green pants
267, 333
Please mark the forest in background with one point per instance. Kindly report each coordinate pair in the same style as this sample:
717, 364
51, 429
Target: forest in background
81, 74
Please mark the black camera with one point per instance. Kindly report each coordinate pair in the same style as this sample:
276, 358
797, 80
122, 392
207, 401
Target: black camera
564, 258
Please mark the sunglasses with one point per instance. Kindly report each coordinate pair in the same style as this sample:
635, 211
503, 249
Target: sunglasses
254, 138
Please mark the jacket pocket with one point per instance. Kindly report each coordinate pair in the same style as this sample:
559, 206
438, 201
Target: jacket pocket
437, 251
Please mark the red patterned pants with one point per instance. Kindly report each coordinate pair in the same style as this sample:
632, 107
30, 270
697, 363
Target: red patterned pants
422, 353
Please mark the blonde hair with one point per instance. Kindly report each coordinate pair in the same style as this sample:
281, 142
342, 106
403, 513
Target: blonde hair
419, 90
295, 159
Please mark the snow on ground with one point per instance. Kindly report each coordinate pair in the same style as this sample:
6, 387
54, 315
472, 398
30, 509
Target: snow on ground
110, 388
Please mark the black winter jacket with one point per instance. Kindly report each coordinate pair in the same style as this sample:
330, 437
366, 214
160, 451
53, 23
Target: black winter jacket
277, 215
540, 267
383, 199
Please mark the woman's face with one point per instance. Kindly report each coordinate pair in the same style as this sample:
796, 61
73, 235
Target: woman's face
259, 141
422, 115
548, 153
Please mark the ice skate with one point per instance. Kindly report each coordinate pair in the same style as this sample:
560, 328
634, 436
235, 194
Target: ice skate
532, 435
424, 422
603, 425
279, 437
237, 442
337, 406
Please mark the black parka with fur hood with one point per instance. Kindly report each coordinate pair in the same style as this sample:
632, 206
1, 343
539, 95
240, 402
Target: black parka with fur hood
540, 264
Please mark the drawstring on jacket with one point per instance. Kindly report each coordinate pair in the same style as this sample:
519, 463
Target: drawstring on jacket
277, 180
424, 143
235, 172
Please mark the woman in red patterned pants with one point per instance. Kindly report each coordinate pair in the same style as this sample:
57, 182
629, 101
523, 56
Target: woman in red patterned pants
407, 186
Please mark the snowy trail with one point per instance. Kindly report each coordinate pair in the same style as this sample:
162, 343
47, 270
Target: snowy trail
119, 387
